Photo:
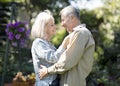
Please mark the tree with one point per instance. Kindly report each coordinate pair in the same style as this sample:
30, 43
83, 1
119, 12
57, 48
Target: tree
108, 50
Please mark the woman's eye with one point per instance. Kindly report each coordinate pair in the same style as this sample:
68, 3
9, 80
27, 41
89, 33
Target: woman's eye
51, 24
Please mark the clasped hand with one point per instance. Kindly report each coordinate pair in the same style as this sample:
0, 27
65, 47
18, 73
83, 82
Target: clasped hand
42, 72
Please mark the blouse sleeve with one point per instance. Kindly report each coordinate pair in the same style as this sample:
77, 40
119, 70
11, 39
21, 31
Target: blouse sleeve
44, 51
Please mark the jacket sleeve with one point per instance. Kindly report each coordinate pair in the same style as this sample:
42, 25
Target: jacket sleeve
72, 54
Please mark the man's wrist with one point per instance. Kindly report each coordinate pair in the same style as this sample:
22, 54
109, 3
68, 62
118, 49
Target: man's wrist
50, 70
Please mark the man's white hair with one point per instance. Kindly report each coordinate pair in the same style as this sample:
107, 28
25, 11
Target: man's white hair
70, 10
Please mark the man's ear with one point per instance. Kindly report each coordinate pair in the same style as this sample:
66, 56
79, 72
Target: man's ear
72, 17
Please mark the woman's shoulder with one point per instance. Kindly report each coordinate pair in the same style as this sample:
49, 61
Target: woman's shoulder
39, 41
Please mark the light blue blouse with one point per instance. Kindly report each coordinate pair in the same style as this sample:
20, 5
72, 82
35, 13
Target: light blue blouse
44, 53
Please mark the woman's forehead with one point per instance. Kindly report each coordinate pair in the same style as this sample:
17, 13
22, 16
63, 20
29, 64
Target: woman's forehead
50, 21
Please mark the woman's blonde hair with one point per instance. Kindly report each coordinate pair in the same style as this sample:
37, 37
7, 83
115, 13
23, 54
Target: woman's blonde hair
38, 28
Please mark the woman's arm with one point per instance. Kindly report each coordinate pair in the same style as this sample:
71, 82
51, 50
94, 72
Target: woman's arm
44, 51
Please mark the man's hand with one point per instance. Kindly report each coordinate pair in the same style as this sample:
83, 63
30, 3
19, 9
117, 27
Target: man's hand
43, 72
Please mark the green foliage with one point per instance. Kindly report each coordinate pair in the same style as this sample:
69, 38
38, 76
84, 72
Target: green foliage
107, 56
110, 30
4, 16
90, 19
18, 60
41, 5
58, 38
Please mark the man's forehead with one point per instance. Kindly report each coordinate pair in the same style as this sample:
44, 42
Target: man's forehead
63, 16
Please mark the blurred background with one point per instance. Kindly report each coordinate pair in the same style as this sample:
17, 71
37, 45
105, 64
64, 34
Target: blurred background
102, 18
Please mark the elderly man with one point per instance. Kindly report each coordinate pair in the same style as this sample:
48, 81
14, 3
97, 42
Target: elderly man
76, 62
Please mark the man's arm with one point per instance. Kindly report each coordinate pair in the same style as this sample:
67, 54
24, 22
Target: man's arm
72, 54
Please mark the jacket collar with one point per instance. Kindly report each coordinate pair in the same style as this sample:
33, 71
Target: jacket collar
78, 27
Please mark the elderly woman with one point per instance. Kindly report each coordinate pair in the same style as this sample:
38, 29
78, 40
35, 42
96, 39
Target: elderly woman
43, 52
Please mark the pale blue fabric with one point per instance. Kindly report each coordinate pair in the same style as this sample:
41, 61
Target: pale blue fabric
44, 53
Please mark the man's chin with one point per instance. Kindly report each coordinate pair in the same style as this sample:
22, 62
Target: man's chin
67, 29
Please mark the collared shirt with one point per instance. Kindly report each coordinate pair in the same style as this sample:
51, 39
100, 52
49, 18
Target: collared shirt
44, 53
79, 27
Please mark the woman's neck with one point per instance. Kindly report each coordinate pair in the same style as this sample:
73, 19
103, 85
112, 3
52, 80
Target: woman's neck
47, 38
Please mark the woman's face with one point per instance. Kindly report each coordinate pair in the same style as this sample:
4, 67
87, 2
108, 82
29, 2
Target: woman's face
51, 28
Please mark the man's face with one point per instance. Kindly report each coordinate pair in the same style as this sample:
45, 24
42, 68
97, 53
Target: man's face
66, 22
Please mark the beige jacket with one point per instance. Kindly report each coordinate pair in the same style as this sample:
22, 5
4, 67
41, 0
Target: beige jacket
76, 62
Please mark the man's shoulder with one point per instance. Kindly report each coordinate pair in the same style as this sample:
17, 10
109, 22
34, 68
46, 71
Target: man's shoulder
85, 30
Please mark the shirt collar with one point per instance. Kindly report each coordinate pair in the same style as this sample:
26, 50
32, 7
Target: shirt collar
78, 27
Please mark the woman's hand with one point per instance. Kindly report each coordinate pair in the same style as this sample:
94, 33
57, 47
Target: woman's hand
43, 72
